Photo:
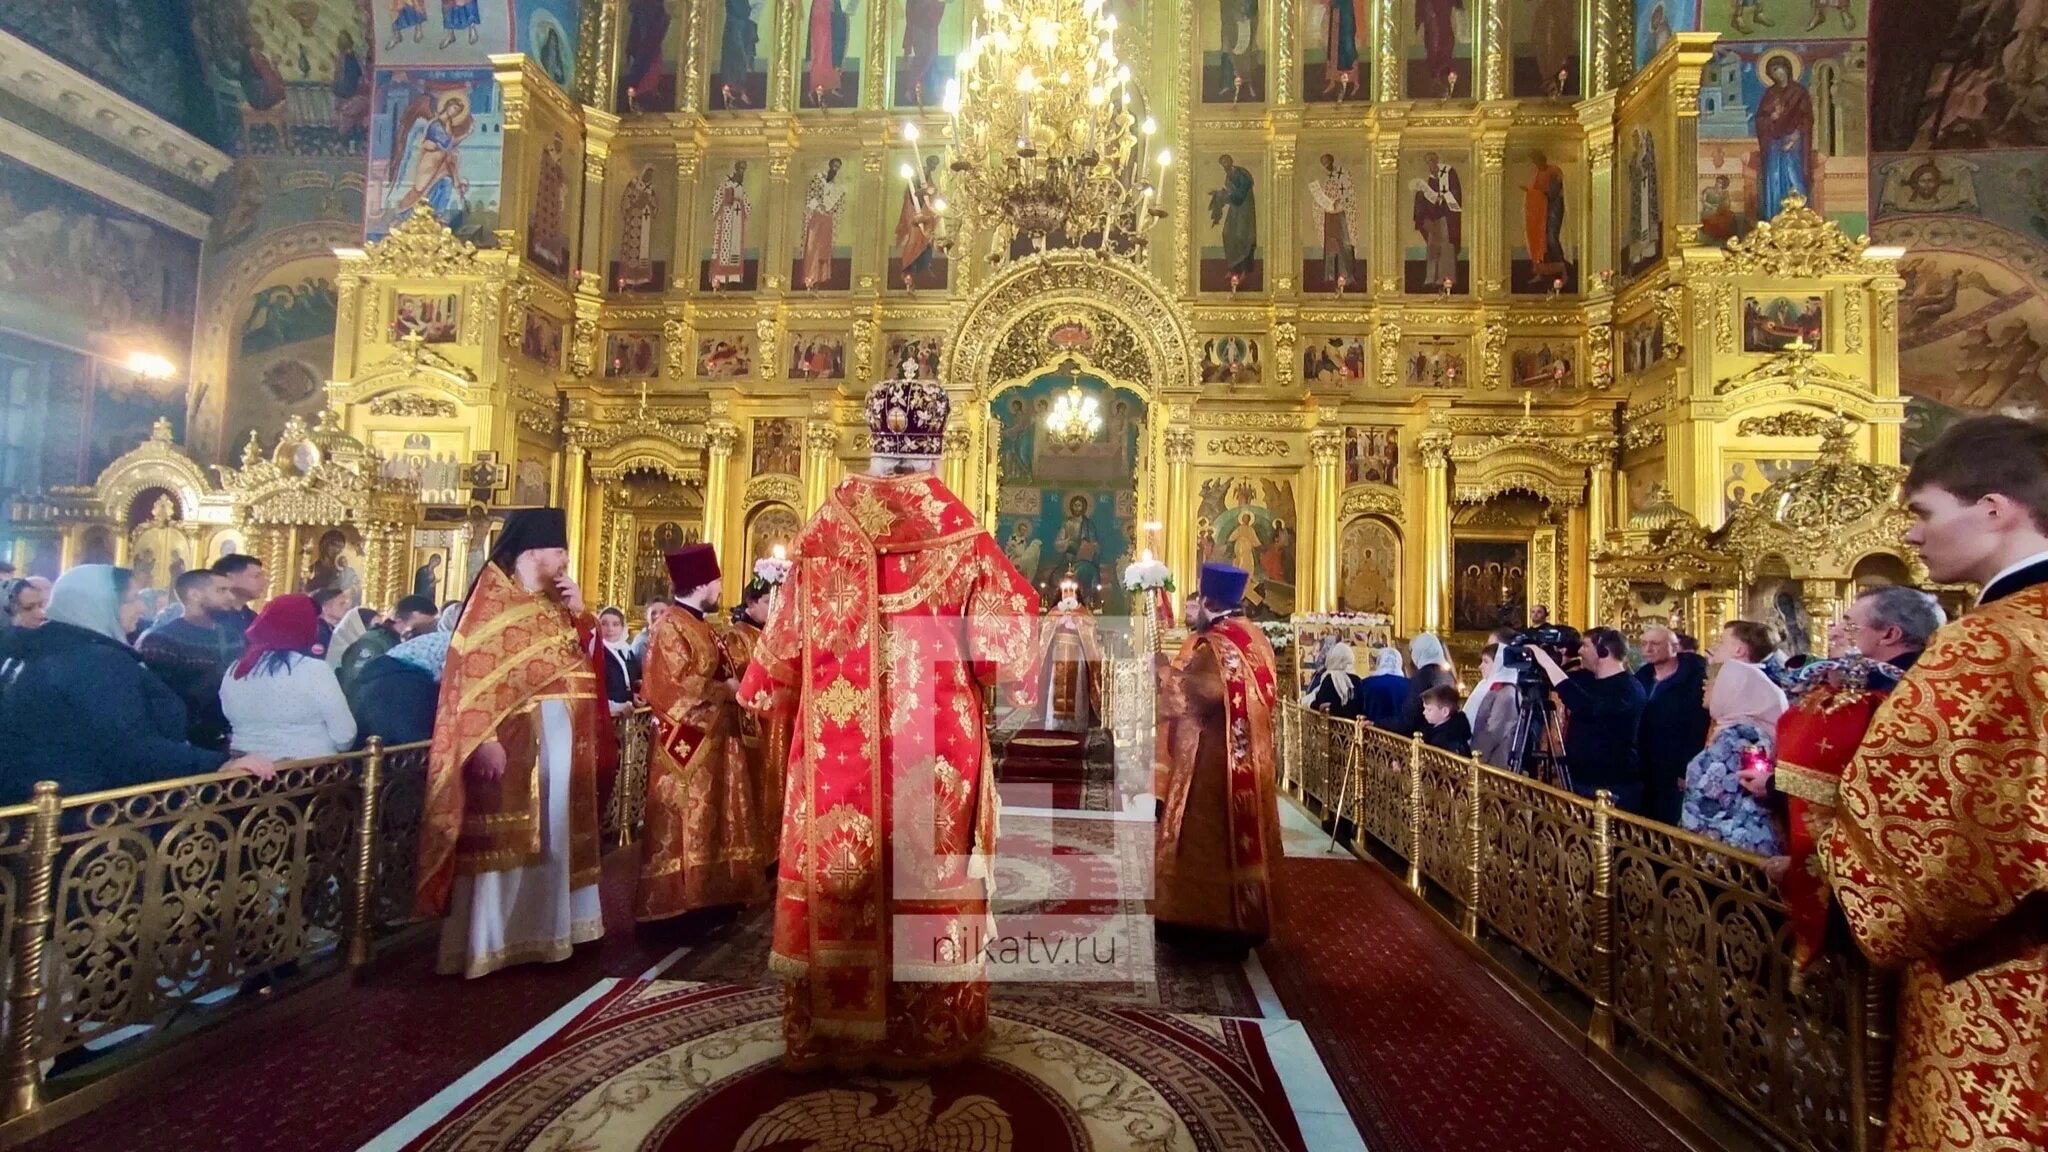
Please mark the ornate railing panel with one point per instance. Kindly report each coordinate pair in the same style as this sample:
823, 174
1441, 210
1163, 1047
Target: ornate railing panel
1679, 940
628, 808
1536, 858
401, 808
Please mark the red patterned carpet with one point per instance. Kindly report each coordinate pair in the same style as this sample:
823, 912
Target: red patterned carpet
672, 1067
1428, 1051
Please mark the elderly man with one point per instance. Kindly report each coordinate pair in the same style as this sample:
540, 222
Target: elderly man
1883, 632
1674, 725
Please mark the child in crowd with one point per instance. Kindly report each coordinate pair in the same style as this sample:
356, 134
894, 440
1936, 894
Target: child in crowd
1448, 728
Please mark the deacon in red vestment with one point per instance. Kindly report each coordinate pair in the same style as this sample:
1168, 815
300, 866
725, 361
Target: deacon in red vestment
705, 844
765, 738
1939, 850
508, 847
899, 612
1219, 825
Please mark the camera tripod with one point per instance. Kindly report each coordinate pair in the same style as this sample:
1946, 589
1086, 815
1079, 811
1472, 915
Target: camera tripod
1537, 748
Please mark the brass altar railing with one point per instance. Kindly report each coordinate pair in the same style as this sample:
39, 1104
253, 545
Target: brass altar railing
118, 909
1675, 941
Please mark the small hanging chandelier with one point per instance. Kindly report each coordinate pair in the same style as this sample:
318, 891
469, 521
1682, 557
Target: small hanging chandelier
1075, 419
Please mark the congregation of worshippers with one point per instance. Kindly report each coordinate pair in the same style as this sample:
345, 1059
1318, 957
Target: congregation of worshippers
769, 709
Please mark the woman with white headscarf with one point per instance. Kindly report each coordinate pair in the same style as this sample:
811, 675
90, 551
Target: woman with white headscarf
1336, 691
1432, 667
84, 711
1745, 704
1384, 694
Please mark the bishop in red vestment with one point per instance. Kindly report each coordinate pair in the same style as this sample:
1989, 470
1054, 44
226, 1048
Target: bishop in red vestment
899, 612
705, 843
1219, 825
765, 738
1939, 851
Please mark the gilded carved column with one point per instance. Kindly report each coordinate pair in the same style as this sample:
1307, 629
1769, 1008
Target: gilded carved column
821, 463
1822, 600
1283, 273
575, 497
1435, 446
1385, 260
720, 438
774, 253
1596, 121
683, 267
1326, 447
1492, 49
958, 453
597, 54
597, 149
1387, 57
1610, 46
1179, 515
1599, 506
1489, 278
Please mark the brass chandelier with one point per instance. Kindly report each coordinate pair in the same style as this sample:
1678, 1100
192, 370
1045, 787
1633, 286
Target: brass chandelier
1050, 147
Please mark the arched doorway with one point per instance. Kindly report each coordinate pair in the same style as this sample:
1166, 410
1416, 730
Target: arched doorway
1048, 324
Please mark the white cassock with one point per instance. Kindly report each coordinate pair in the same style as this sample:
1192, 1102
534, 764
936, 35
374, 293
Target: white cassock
526, 915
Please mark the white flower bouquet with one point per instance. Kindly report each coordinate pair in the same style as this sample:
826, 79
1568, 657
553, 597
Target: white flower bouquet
771, 571
1146, 575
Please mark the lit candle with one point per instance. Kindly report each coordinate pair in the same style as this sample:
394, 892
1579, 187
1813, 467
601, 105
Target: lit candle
779, 552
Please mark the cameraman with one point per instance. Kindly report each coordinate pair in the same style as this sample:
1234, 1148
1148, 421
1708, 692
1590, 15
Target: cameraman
1604, 705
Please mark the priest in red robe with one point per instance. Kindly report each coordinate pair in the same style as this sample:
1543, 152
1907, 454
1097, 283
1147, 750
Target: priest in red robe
1219, 825
899, 612
766, 739
509, 844
705, 844
1939, 850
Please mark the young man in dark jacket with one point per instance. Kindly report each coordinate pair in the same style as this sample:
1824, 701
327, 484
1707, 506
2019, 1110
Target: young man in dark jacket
412, 616
191, 653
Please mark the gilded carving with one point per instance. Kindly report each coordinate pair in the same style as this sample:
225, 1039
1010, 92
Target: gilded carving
765, 345
1387, 343
1888, 309
1852, 322
411, 405
1671, 307
420, 245
1371, 499
1245, 445
1180, 445
1796, 368
583, 347
1492, 342
772, 490
1600, 357
1793, 422
1326, 447
864, 352
1800, 243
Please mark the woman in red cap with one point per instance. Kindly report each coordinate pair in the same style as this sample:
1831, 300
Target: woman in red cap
280, 699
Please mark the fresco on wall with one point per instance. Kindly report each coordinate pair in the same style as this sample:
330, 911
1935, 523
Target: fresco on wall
932, 32
1744, 476
833, 40
1435, 259
1786, 19
1959, 181
823, 257
1656, 20
79, 272
739, 37
283, 351
817, 356
1062, 508
1642, 344
730, 258
1439, 57
1433, 362
429, 316
632, 355
1250, 521
1369, 568
1545, 44
541, 338
1783, 119
126, 45
654, 37
916, 261
1541, 244
1233, 52
921, 352
436, 141
287, 77
1336, 51
1643, 477
547, 34
725, 355
1775, 323
1957, 74
1230, 360
1642, 231
452, 33
1335, 238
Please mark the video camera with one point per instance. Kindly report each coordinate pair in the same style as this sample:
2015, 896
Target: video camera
1559, 641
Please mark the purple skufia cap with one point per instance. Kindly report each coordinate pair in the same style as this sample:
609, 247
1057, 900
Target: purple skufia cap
1224, 583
